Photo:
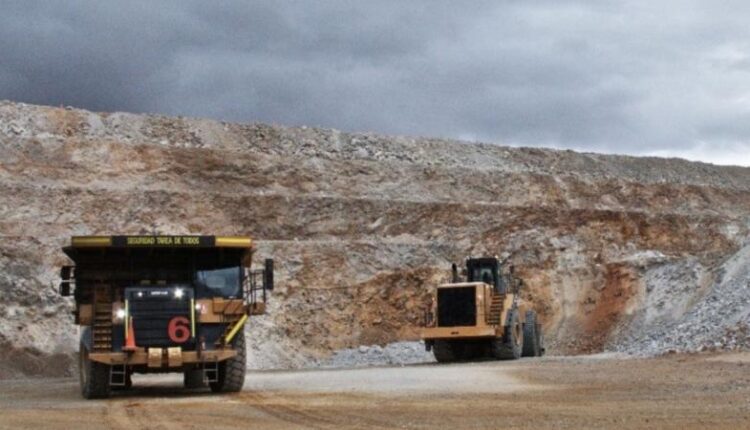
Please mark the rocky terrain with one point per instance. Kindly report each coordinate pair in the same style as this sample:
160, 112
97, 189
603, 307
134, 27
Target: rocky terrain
641, 255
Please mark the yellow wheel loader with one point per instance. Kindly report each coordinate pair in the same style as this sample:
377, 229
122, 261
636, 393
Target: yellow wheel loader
481, 317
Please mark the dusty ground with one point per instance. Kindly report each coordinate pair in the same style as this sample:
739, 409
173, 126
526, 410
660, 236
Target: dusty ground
560, 393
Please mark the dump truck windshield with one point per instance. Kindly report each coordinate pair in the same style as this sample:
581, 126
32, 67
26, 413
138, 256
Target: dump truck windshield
222, 282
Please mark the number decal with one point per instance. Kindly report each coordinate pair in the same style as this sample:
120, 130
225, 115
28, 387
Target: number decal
179, 329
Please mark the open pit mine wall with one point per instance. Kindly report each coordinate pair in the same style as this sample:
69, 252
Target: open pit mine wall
361, 225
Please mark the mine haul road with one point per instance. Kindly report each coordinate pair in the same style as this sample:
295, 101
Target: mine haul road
671, 392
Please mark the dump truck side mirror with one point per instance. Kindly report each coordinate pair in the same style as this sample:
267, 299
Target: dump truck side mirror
268, 274
65, 276
65, 288
65, 272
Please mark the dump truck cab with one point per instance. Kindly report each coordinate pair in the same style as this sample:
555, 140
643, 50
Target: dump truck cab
150, 304
481, 316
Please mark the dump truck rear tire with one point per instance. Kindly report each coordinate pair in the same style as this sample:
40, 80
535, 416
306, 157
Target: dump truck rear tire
94, 377
531, 346
231, 376
444, 351
193, 379
510, 346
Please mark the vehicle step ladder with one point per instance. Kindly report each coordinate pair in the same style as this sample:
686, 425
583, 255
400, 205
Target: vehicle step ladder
496, 309
211, 371
118, 375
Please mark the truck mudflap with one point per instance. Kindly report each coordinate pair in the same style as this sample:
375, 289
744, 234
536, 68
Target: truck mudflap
157, 358
460, 332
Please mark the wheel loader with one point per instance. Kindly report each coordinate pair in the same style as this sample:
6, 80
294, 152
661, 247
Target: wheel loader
481, 317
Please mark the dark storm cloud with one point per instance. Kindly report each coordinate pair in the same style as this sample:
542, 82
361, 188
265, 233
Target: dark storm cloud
666, 78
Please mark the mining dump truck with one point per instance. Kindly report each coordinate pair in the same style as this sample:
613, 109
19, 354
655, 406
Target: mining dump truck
481, 317
155, 304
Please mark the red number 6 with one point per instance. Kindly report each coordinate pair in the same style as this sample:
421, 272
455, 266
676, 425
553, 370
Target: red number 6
179, 329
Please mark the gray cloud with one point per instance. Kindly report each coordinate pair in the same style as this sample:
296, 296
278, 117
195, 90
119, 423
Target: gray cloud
668, 78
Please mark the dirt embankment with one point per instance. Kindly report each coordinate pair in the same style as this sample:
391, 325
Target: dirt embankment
363, 225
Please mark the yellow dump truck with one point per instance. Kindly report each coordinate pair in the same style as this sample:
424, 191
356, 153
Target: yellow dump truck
152, 304
481, 316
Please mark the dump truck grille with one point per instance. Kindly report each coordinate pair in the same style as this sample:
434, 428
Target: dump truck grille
456, 307
153, 310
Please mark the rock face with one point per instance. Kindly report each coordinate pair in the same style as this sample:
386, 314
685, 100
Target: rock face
617, 252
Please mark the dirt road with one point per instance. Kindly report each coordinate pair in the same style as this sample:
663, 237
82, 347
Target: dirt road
674, 392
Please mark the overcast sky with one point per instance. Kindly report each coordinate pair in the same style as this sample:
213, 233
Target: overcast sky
668, 78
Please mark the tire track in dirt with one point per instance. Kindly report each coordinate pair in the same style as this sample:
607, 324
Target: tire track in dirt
292, 414
127, 415
288, 414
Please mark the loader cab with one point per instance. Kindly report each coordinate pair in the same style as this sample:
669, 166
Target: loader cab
487, 270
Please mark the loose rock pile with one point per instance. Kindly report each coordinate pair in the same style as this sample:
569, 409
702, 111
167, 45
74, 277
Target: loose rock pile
397, 353
712, 316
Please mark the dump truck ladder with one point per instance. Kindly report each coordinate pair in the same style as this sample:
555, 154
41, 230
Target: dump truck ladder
101, 329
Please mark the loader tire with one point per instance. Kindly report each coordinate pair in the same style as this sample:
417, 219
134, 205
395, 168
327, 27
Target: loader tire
93, 376
531, 345
231, 376
444, 351
193, 379
510, 345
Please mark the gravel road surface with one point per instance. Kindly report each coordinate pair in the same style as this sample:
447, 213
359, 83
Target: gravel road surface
604, 392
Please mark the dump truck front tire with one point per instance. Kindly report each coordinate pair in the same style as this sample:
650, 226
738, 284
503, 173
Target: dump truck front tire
94, 377
231, 376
